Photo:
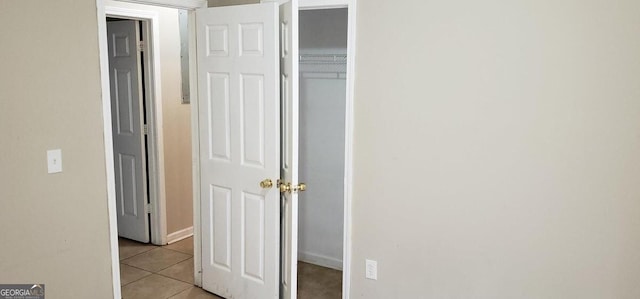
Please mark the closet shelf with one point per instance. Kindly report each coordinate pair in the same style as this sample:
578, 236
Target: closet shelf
323, 58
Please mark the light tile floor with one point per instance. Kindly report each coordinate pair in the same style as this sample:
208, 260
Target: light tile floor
158, 272
166, 272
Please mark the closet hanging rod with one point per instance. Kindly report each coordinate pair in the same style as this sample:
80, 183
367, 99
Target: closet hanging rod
323, 58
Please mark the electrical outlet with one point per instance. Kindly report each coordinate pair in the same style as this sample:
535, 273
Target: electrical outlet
371, 270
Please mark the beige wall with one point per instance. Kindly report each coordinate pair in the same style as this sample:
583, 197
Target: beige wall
176, 121
53, 227
497, 149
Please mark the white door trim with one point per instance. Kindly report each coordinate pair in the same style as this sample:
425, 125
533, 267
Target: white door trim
349, 123
195, 149
348, 151
108, 148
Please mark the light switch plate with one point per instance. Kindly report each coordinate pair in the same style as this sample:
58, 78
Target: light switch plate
54, 161
371, 270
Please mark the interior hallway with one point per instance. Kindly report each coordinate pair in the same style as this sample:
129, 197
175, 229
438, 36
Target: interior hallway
162, 272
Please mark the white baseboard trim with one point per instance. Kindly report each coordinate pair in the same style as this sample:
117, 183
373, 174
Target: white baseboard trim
180, 235
320, 260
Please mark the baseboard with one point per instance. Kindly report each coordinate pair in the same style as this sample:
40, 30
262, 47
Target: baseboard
320, 260
180, 235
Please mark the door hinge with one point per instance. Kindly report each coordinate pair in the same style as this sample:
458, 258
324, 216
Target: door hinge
146, 129
147, 208
141, 46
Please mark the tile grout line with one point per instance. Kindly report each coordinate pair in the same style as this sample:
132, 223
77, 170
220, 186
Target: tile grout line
151, 273
179, 292
191, 283
170, 266
122, 286
140, 269
137, 254
191, 254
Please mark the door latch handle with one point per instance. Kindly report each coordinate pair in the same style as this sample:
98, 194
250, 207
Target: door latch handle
266, 184
300, 187
288, 188
284, 187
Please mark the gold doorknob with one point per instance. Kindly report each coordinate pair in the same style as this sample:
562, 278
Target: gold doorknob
266, 184
301, 187
285, 187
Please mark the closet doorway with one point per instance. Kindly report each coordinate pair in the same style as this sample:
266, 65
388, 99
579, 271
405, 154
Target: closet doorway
323, 67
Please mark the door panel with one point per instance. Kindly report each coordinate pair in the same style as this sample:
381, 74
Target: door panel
289, 127
253, 236
221, 206
238, 88
128, 136
219, 115
252, 106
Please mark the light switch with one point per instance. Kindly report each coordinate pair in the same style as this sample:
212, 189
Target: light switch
54, 161
371, 270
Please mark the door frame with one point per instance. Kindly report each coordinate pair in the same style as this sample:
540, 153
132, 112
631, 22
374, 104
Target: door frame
153, 107
191, 5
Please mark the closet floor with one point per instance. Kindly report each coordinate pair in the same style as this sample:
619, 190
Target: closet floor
317, 282
162, 272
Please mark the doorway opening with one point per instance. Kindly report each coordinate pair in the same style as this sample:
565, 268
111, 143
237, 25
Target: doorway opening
154, 38
322, 78
147, 123
347, 130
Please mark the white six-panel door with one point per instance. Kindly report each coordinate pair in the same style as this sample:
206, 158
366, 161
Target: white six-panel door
128, 135
289, 139
239, 118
